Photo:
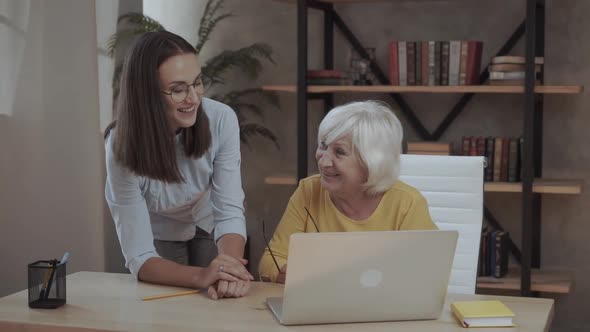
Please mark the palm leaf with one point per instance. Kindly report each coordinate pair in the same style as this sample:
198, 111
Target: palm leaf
247, 59
247, 130
209, 20
140, 24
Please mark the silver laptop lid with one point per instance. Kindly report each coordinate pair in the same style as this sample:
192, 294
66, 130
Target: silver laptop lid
367, 276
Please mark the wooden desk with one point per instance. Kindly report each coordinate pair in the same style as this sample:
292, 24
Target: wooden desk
112, 302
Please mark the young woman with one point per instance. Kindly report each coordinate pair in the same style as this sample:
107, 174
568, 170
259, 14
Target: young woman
173, 173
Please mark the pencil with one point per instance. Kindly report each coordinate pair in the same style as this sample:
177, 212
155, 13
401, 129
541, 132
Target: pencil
155, 297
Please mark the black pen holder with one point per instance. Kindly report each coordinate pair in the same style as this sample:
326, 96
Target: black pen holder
47, 284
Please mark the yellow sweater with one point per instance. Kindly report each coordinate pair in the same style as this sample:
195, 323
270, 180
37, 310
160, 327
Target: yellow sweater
401, 208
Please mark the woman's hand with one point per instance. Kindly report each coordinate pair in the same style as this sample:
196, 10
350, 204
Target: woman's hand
224, 267
282, 274
225, 288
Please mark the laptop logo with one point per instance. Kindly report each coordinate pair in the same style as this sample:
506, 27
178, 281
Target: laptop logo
371, 278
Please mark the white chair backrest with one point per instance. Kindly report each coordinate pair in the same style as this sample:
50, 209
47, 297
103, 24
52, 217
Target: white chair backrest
453, 187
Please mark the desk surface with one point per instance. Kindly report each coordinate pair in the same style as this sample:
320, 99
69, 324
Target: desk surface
112, 302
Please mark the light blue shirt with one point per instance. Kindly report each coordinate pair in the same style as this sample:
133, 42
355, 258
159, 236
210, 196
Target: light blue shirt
211, 197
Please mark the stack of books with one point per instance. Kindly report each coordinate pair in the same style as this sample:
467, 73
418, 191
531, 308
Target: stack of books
510, 70
455, 62
429, 148
327, 77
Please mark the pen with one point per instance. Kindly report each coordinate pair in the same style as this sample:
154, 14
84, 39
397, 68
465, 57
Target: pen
53, 265
155, 297
64, 259
45, 281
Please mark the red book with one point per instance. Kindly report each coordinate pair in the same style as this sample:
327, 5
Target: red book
473, 69
466, 145
324, 73
393, 63
481, 146
473, 146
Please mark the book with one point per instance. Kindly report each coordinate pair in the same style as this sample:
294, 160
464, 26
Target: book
424, 63
418, 65
444, 63
442, 147
411, 62
393, 63
483, 313
513, 161
402, 59
454, 61
501, 257
466, 143
511, 67
324, 73
516, 59
511, 82
463, 63
473, 66
489, 171
431, 63
497, 158
429, 148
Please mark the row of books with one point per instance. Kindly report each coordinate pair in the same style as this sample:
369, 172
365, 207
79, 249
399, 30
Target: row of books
503, 155
493, 253
455, 62
510, 70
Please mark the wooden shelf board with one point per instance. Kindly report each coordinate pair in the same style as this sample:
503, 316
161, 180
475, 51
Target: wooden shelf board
546, 89
337, 1
541, 186
548, 281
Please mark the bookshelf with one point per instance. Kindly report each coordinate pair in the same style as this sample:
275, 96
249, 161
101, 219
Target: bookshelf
544, 89
542, 186
547, 281
530, 277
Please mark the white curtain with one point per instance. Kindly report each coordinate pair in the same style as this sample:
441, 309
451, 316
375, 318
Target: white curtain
14, 21
106, 26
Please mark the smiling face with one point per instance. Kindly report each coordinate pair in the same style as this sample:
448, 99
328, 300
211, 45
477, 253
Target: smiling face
342, 174
175, 74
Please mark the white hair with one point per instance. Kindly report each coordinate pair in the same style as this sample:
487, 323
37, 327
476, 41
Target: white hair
376, 135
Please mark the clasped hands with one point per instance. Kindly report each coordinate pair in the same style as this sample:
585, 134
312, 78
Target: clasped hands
227, 276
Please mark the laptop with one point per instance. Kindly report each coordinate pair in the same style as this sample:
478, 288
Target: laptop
346, 277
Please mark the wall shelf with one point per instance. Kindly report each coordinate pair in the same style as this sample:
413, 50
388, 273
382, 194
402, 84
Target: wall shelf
541, 186
548, 281
545, 89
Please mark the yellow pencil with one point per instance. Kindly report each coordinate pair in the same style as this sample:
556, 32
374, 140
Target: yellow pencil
155, 297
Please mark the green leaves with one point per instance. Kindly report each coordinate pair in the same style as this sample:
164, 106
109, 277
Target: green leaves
140, 24
209, 20
246, 59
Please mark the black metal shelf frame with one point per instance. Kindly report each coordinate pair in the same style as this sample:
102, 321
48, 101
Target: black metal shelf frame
533, 30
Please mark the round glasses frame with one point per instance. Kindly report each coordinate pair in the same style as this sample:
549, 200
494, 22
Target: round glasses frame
180, 92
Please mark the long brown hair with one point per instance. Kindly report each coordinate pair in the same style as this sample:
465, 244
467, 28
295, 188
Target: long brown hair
143, 142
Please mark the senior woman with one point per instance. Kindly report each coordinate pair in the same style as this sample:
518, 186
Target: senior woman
357, 189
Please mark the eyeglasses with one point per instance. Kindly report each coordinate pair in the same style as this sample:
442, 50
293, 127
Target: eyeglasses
180, 92
268, 247
268, 244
